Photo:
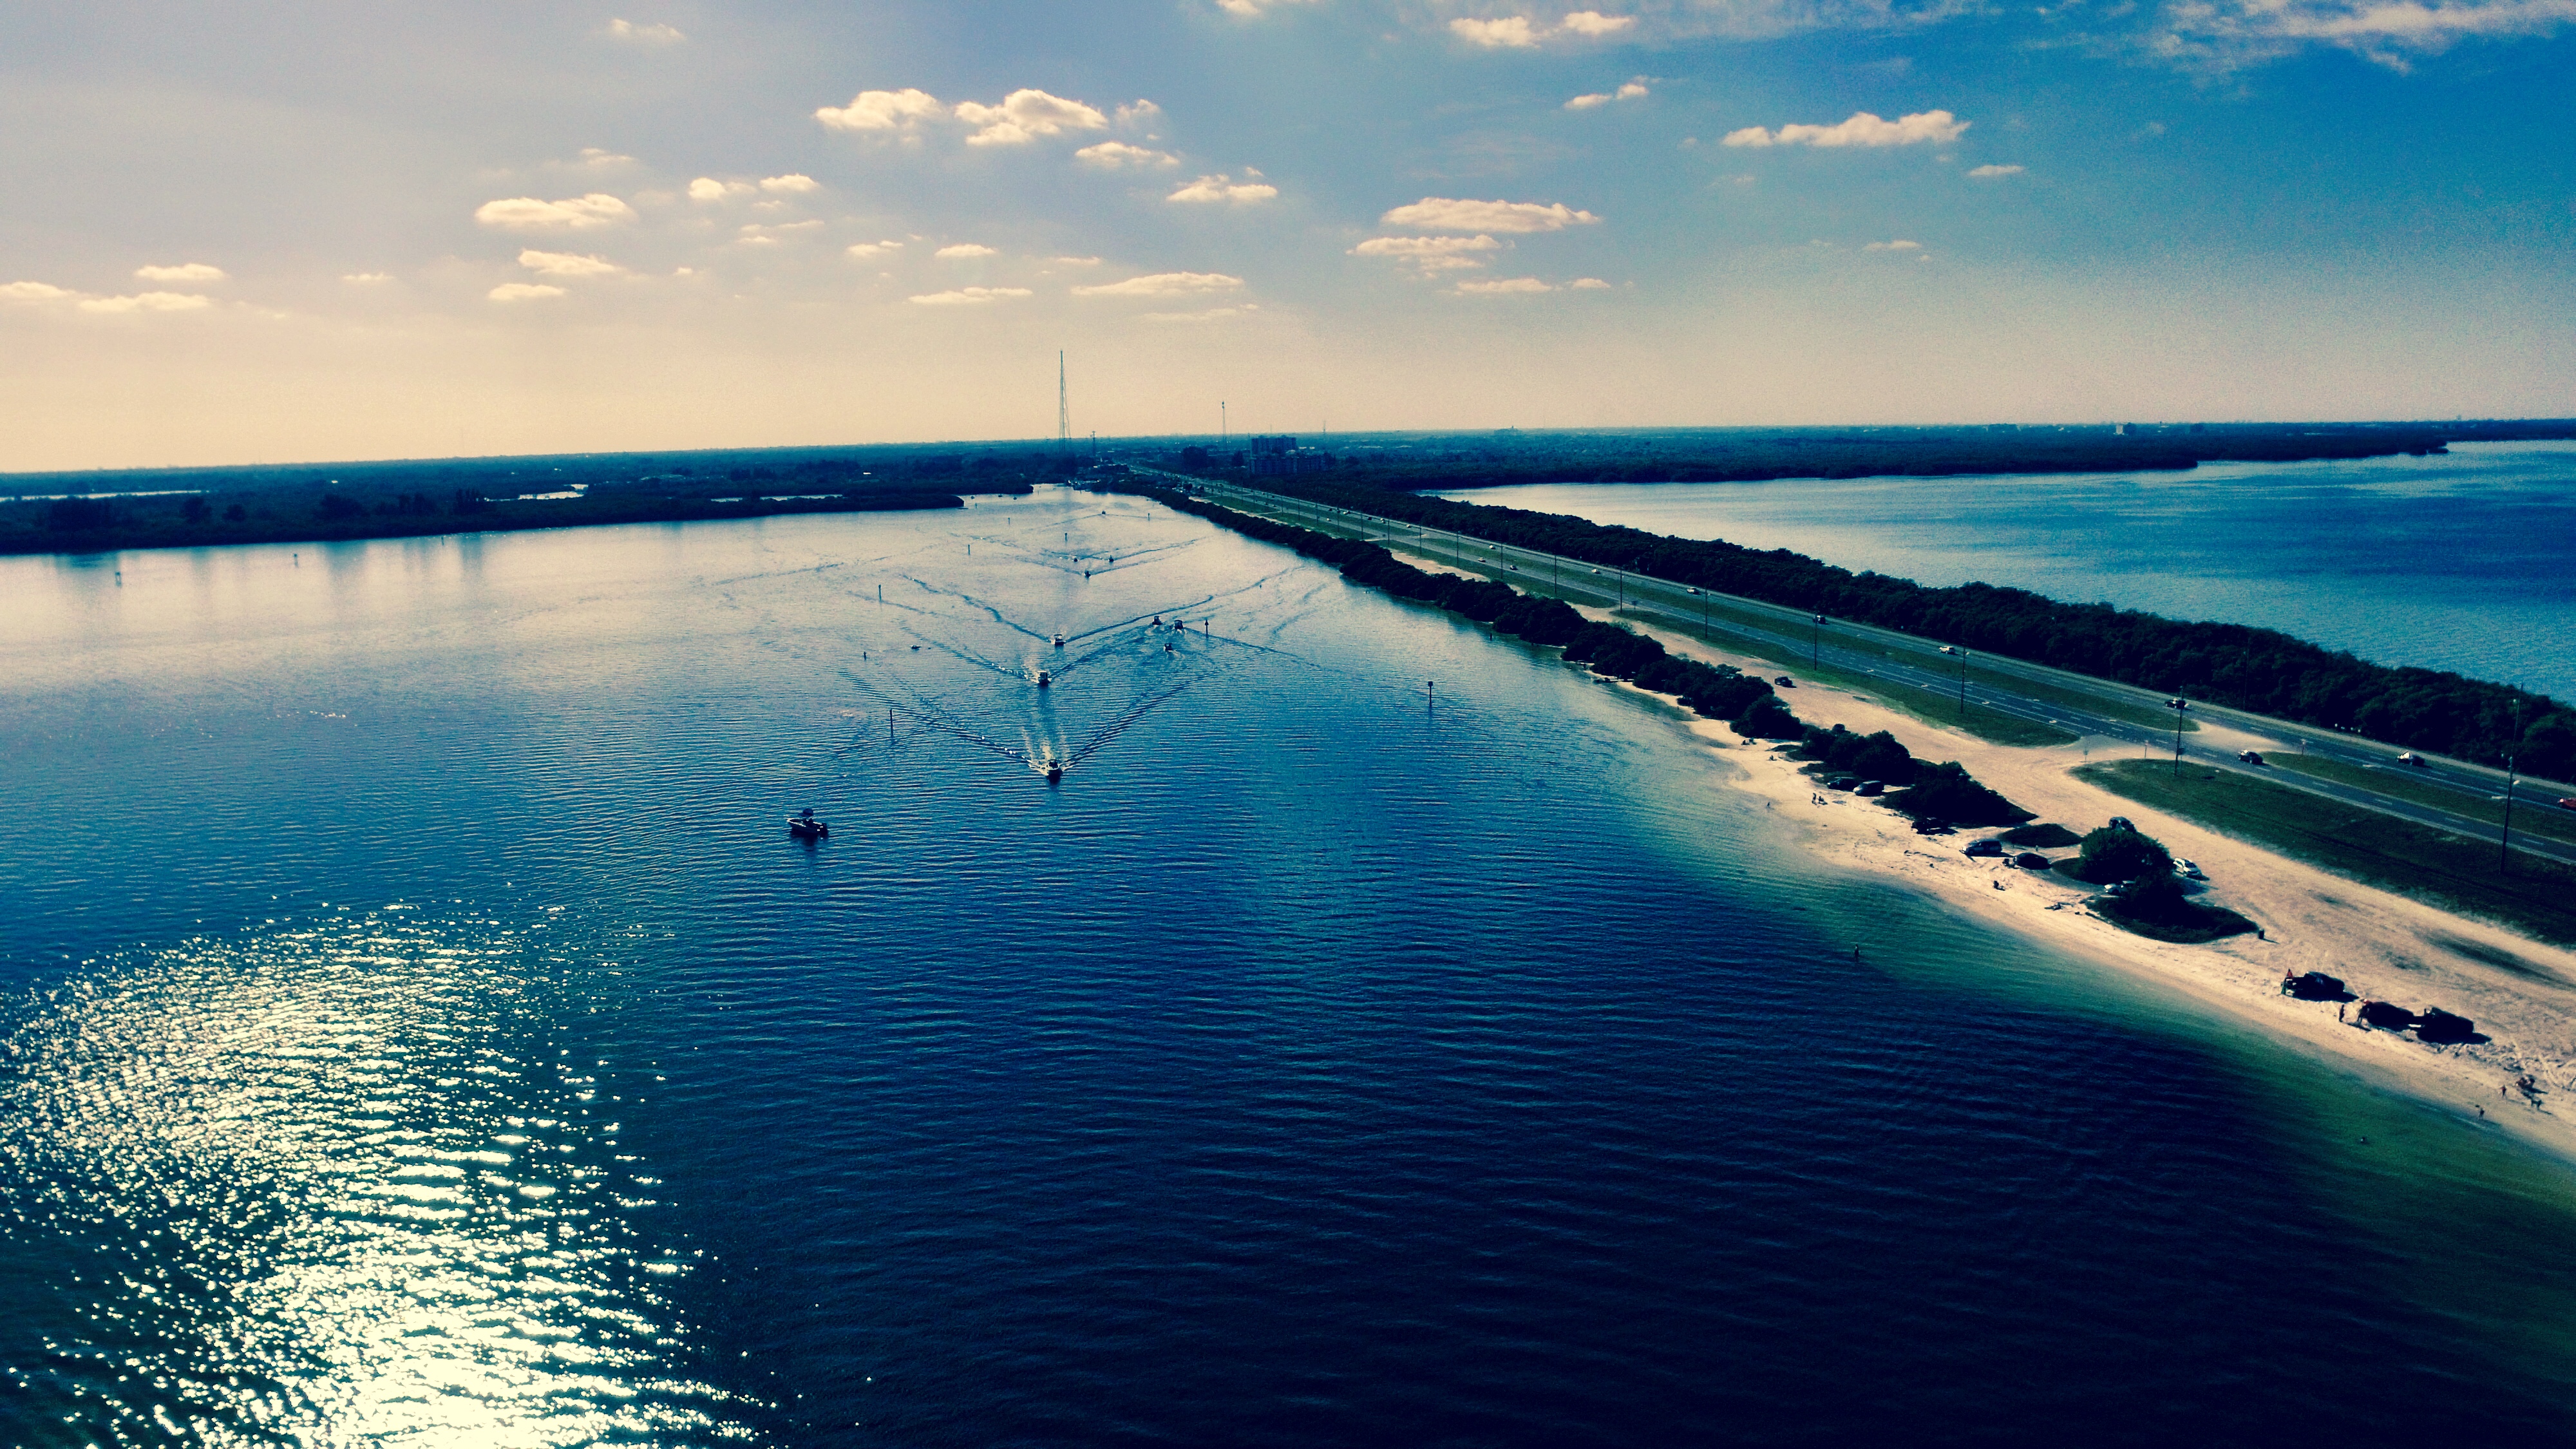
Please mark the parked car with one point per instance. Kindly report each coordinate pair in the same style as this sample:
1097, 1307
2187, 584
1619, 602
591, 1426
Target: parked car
1985, 847
1785, 682
2251, 757
2189, 868
2031, 860
1871, 787
2121, 822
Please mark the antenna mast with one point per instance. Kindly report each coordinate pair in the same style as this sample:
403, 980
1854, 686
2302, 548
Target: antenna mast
1063, 413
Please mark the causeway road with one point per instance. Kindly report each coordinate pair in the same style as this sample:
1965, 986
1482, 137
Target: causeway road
2054, 699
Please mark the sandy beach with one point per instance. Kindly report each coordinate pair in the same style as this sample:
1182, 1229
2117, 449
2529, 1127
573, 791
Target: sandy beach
2520, 992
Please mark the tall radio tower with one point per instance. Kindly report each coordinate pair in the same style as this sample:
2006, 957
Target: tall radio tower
1063, 412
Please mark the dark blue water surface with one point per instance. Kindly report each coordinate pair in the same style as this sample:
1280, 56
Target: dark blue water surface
2465, 562
420, 1029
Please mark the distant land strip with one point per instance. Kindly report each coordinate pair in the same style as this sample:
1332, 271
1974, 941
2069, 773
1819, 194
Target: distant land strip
1943, 792
2259, 670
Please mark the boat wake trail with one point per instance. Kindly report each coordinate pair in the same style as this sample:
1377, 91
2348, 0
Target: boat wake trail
1123, 723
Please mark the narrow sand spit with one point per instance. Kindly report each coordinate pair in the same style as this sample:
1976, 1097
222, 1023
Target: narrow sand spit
2521, 993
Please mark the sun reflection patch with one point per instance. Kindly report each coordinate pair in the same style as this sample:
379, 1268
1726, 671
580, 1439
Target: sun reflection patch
333, 1183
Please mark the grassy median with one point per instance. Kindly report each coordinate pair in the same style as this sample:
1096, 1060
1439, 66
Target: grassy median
2537, 897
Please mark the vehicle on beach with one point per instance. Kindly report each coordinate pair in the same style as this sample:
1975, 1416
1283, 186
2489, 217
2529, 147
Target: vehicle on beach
804, 826
1059, 641
1785, 682
1871, 787
1043, 679
1985, 847
2190, 868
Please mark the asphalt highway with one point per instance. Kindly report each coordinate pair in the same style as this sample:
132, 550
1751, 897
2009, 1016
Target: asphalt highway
1990, 681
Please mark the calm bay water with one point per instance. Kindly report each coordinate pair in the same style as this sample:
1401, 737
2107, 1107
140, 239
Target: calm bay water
419, 1028
2465, 562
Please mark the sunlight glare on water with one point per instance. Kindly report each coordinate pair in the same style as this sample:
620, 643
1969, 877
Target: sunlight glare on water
340, 1181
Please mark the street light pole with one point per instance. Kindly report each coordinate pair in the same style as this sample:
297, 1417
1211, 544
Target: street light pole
2504, 843
2179, 704
1963, 686
1816, 644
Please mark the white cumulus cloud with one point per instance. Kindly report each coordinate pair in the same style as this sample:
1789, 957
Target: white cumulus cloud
883, 111
1634, 90
523, 292
961, 250
1985, 173
1025, 115
148, 302
793, 183
1512, 32
35, 292
1164, 284
2225, 35
1898, 245
970, 296
1504, 287
1430, 253
527, 213
183, 272
1211, 314
567, 264
1863, 129
1225, 188
367, 279
628, 30
1589, 284
1114, 155
1595, 24
866, 251
1440, 213
1139, 112
707, 188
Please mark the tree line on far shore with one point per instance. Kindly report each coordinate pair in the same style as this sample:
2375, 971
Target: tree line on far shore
2262, 670
1749, 705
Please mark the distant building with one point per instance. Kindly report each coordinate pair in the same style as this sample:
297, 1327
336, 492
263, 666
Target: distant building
1280, 457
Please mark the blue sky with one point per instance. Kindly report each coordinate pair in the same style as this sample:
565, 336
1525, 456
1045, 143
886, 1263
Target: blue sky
333, 231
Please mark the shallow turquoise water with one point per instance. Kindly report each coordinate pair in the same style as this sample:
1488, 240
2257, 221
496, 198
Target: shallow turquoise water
2465, 562
421, 1028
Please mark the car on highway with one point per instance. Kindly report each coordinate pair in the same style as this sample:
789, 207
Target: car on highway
2567, 804
2412, 760
2251, 757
